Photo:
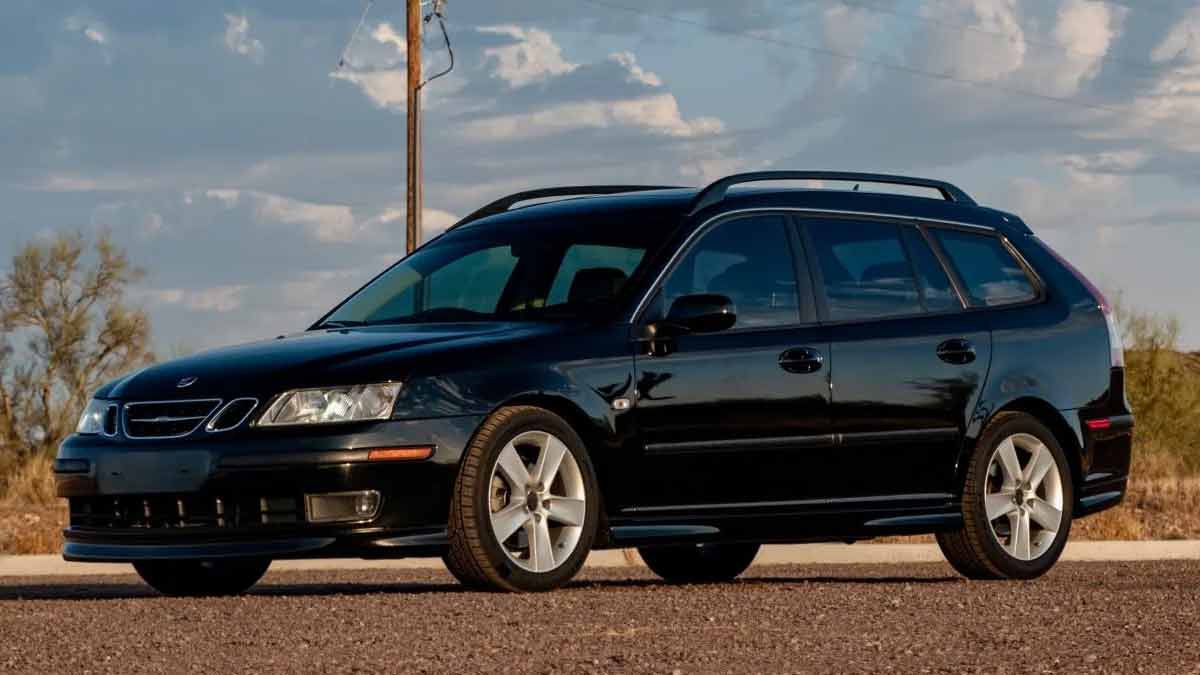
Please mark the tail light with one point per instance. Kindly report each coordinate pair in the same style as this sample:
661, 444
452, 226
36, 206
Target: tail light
1116, 346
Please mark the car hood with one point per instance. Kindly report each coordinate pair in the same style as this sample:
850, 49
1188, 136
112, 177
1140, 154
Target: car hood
310, 359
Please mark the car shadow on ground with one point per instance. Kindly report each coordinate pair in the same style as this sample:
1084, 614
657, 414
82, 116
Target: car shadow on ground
120, 590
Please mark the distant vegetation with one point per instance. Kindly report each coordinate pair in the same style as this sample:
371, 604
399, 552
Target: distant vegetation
65, 330
1164, 387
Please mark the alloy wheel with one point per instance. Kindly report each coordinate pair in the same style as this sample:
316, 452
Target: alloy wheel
537, 501
1023, 497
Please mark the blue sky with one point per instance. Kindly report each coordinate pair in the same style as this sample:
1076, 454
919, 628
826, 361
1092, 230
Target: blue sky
258, 186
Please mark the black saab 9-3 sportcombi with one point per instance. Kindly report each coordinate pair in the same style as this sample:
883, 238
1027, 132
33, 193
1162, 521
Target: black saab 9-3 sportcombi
689, 372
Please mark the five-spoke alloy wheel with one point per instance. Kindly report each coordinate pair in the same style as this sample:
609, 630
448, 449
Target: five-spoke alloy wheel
538, 503
1023, 498
526, 507
1017, 498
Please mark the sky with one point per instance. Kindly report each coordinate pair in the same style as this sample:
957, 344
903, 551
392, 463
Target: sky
258, 184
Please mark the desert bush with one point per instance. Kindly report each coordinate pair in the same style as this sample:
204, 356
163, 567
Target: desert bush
31, 484
1163, 386
63, 302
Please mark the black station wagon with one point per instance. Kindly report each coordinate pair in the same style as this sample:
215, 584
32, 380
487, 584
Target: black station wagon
693, 373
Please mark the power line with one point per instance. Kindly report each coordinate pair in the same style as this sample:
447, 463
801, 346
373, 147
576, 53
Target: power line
879, 63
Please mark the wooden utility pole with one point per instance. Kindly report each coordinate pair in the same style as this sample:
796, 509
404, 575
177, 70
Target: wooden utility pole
413, 236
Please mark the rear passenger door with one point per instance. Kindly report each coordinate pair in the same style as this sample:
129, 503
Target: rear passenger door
909, 361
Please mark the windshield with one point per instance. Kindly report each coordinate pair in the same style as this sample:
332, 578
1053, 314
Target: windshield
504, 272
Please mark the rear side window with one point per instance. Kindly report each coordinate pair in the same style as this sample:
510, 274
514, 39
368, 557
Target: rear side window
991, 274
865, 270
936, 290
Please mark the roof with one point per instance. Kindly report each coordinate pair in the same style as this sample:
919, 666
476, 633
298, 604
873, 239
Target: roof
677, 201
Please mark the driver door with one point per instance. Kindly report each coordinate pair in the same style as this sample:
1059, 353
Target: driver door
740, 417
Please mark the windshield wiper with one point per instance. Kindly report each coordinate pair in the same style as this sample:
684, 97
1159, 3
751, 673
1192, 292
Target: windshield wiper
342, 324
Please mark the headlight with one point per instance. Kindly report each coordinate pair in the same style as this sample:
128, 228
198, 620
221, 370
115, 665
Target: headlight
91, 422
331, 405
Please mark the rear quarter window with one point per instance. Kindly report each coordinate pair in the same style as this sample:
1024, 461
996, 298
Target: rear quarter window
991, 274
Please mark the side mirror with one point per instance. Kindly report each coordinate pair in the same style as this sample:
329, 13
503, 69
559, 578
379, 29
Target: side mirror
702, 313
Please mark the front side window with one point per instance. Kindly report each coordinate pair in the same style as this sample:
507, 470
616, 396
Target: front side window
588, 264
866, 272
749, 260
991, 274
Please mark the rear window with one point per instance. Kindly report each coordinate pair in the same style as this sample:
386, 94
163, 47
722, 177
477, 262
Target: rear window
991, 274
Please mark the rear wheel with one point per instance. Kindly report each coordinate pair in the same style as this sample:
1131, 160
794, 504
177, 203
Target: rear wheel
526, 504
192, 578
699, 563
1017, 503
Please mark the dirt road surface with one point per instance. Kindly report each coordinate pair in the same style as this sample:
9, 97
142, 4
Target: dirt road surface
1082, 618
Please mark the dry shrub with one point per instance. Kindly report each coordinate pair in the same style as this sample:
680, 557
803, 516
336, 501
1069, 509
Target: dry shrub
31, 485
1163, 386
32, 532
1164, 508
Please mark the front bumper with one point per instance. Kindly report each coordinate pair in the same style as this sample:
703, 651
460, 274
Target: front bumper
244, 496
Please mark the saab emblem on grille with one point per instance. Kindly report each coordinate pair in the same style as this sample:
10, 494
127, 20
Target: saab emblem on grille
187, 382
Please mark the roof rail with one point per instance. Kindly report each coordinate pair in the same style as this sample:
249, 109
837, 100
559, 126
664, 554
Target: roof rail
505, 203
714, 193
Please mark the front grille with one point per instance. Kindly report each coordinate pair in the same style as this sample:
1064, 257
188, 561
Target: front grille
167, 419
110, 420
165, 512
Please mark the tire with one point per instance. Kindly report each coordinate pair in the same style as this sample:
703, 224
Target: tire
699, 563
202, 578
514, 537
1018, 542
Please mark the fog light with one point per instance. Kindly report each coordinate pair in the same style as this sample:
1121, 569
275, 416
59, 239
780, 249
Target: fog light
342, 506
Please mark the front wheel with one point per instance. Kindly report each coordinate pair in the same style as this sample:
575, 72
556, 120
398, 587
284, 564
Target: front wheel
1017, 503
526, 504
699, 563
198, 578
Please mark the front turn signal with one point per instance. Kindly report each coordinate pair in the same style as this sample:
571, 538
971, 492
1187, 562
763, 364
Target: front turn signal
400, 454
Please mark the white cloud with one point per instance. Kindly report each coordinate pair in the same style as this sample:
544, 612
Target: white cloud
69, 182
386, 88
658, 114
238, 40
377, 68
637, 74
534, 57
969, 54
221, 299
1183, 41
329, 223
1086, 30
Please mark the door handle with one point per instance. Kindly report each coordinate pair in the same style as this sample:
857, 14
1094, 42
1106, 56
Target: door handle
802, 360
958, 352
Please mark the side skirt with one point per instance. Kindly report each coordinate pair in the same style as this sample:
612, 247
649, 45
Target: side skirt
779, 526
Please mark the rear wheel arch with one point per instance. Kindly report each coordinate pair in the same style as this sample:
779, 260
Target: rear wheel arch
1067, 436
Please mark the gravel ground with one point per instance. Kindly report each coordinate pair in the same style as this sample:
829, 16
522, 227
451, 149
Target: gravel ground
1083, 617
